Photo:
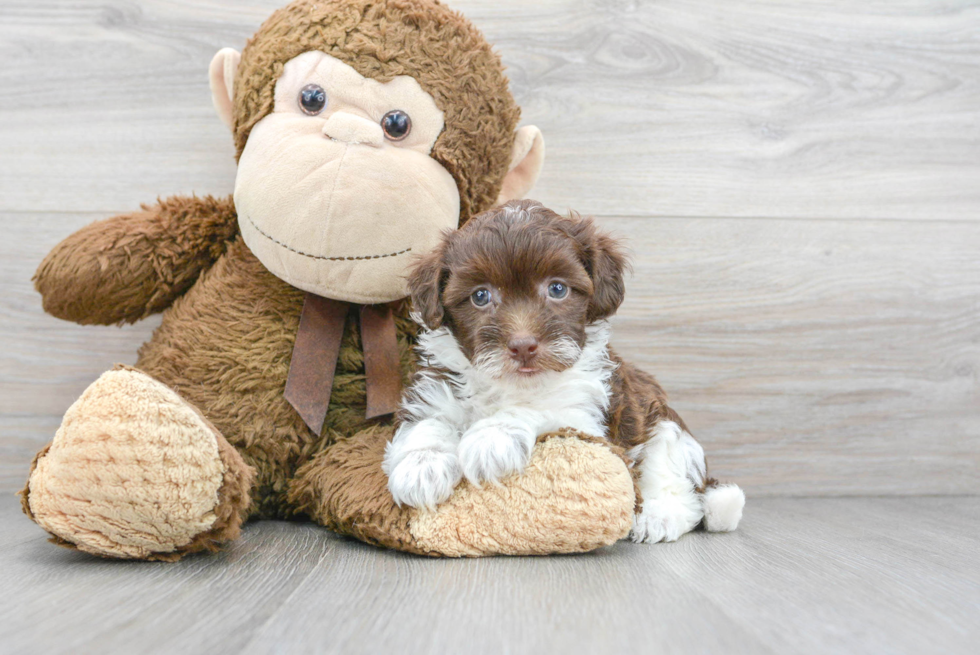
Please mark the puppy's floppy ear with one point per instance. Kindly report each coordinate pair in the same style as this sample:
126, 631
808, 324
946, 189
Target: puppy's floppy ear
425, 286
606, 262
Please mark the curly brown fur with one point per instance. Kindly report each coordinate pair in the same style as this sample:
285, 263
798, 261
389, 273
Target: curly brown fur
514, 252
225, 343
229, 325
225, 347
125, 268
512, 302
343, 488
381, 40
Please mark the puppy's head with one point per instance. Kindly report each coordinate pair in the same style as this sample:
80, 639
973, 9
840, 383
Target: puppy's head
518, 285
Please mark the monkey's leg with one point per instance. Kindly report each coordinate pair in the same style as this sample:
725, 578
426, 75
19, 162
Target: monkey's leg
136, 472
575, 495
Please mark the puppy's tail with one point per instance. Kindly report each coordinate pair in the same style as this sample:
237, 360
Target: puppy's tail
722, 504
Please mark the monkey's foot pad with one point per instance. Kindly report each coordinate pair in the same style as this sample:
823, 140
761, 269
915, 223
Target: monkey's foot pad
576, 494
134, 471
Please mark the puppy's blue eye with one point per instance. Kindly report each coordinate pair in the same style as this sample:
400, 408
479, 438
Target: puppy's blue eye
312, 99
480, 297
557, 290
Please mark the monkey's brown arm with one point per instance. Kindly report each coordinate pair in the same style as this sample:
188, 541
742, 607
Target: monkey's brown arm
125, 268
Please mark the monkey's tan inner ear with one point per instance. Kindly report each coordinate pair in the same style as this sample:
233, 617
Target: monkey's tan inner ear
221, 73
525, 164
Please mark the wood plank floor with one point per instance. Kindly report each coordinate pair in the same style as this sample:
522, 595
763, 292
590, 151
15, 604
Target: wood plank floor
844, 575
829, 109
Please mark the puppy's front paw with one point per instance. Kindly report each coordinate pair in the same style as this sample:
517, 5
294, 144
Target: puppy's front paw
491, 450
662, 521
424, 478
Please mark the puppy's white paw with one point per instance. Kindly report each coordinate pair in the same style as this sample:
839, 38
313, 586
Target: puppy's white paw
652, 529
491, 450
424, 478
662, 521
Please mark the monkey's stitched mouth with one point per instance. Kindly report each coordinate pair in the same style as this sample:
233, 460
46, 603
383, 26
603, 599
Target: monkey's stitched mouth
323, 257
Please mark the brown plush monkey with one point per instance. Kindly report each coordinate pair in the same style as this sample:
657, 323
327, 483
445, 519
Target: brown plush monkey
363, 129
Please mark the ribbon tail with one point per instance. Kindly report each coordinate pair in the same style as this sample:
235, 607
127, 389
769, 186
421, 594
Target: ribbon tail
382, 369
314, 358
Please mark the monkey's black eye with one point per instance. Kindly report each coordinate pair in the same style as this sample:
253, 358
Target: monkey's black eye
557, 290
396, 125
312, 99
480, 297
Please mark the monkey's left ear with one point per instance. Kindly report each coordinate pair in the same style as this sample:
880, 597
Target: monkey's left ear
222, 72
525, 164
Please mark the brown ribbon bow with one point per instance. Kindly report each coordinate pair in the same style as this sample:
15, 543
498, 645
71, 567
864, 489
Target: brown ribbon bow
314, 359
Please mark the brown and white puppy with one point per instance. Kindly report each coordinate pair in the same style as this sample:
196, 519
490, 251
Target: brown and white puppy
516, 345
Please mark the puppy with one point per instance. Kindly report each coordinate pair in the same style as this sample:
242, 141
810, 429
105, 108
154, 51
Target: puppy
515, 345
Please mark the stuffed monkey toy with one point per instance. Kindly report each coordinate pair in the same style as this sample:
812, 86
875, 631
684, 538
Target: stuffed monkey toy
363, 129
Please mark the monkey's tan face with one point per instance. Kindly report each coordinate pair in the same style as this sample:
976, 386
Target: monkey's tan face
336, 190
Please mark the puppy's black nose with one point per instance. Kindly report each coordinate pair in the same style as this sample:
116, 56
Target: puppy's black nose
523, 347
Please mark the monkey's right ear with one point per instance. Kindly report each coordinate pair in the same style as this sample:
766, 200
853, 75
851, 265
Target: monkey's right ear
222, 72
425, 286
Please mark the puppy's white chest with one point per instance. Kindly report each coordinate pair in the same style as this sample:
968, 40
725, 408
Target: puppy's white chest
564, 400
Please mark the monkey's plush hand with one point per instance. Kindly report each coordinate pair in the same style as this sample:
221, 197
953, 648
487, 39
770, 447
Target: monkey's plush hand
125, 268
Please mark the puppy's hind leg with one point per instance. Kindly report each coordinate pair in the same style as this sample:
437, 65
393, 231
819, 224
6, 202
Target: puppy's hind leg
672, 469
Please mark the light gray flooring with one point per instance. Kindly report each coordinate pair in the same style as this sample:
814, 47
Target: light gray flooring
841, 575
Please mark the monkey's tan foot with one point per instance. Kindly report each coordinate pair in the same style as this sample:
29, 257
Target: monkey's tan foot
136, 472
576, 494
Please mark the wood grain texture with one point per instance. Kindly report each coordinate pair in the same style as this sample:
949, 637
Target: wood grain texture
820, 356
828, 357
752, 153
869, 575
831, 109
809, 357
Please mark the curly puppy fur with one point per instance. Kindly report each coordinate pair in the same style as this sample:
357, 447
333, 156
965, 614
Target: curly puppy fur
517, 346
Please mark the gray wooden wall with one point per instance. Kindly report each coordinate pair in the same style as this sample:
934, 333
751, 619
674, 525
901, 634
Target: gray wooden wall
799, 182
